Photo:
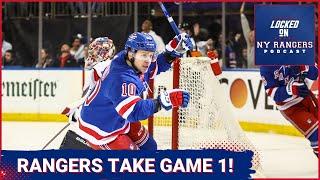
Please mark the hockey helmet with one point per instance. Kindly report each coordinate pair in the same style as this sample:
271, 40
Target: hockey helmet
140, 41
100, 49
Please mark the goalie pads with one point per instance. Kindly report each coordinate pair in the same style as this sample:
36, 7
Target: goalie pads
74, 141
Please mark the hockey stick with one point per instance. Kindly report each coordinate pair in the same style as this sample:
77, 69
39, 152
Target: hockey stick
170, 19
214, 60
64, 112
54, 137
172, 23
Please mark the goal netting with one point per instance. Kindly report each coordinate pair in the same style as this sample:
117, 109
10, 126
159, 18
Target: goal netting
208, 121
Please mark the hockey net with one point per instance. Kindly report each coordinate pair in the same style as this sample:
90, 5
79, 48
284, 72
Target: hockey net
207, 122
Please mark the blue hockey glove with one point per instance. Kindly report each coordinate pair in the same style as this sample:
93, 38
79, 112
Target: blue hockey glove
179, 45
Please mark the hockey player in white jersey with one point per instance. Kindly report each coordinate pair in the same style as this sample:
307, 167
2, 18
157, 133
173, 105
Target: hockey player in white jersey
100, 53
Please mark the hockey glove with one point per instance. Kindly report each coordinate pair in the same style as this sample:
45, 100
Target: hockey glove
179, 45
71, 109
297, 88
174, 98
70, 114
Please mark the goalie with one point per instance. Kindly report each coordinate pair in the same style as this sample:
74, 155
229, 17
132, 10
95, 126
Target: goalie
111, 113
100, 53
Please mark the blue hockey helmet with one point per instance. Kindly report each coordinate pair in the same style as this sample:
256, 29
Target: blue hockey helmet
140, 41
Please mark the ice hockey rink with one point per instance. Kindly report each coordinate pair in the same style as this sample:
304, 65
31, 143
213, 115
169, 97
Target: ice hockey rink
282, 156
222, 108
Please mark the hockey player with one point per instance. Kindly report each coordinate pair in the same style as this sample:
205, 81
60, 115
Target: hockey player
101, 51
286, 85
111, 114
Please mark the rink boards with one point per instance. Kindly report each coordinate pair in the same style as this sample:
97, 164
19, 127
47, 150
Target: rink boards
41, 95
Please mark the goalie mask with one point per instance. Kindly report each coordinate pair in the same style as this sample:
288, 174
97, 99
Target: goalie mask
101, 49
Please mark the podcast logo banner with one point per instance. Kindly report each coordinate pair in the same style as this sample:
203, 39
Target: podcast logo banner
285, 35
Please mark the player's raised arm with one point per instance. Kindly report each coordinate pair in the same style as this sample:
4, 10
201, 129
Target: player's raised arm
178, 46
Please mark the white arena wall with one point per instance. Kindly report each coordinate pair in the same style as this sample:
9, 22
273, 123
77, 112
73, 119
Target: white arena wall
38, 95
41, 95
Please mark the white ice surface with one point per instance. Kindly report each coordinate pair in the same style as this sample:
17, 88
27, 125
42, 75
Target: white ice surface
282, 156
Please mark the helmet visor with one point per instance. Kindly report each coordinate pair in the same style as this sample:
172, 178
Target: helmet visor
142, 55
